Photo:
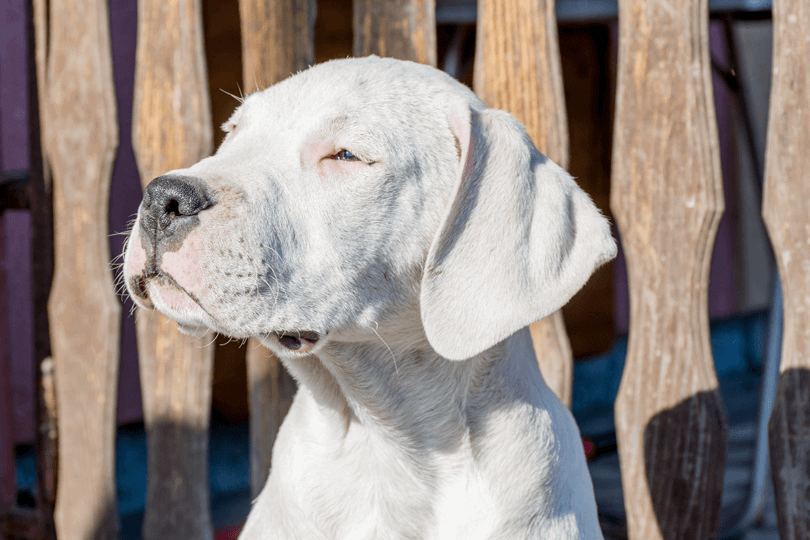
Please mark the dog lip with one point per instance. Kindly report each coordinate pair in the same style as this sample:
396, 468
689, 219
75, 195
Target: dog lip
137, 285
301, 341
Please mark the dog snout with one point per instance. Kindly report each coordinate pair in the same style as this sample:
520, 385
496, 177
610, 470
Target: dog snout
169, 200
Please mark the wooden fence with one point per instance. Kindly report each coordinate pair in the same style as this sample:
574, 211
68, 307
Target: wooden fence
666, 196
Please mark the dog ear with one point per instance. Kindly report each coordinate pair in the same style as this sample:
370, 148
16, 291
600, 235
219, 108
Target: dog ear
517, 240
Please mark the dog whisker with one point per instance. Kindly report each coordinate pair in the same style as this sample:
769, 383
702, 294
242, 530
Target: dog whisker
396, 369
239, 99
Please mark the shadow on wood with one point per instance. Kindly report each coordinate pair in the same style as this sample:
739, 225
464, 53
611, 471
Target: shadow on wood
789, 439
102, 531
271, 390
684, 463
178, 490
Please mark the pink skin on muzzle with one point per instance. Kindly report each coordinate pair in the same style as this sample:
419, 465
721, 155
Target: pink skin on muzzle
183, 266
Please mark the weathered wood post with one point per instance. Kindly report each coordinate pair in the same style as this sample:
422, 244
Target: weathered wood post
517, 69
667, 196
404, 29
172, 129
84, 314
786, 208
277, 41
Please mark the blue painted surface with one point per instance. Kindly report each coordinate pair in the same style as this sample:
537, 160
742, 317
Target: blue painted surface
229, 475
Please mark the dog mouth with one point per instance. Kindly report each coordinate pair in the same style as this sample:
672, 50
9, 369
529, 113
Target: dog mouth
179, 298
138, 288
299, 341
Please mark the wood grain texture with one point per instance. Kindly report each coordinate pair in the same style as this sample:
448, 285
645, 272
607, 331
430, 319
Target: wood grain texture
84, 314
785, 208
171, 129
404, 29
667, 197
517, 69
277, 41
176, 382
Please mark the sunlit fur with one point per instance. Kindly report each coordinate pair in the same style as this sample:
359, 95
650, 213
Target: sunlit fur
421, 412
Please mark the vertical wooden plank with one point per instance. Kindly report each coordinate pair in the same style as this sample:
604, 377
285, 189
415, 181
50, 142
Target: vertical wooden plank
171, 129
785, 208
517, 69
404, 29
84, 314
667, 196
277, 41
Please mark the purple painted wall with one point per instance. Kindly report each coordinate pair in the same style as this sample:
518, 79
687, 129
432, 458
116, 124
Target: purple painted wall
16, 228
8, 488
125, 193
722, 300
13, 88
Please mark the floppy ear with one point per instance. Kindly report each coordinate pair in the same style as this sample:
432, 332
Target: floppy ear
518, 239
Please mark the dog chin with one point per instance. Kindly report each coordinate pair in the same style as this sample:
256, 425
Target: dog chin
192, 330
190, 318
190, 324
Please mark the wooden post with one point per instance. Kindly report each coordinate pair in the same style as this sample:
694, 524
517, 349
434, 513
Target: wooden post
785, 208
277, 41
172, 129
517, 69
667, 196
84, 314
404, 29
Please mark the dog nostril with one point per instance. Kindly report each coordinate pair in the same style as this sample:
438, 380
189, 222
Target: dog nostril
173, 208
169, 198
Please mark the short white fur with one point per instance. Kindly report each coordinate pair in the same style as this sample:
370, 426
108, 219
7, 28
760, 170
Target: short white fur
421, 412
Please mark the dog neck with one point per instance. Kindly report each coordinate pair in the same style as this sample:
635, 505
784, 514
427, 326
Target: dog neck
410, 396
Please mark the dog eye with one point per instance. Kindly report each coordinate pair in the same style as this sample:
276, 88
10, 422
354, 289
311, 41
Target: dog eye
344, 155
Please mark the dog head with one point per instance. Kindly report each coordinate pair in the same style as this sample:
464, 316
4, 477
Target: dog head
358, 194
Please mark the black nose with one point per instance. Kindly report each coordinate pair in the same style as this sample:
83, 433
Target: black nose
169, 200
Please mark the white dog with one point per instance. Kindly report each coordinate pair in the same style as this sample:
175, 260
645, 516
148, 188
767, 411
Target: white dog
389, 237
